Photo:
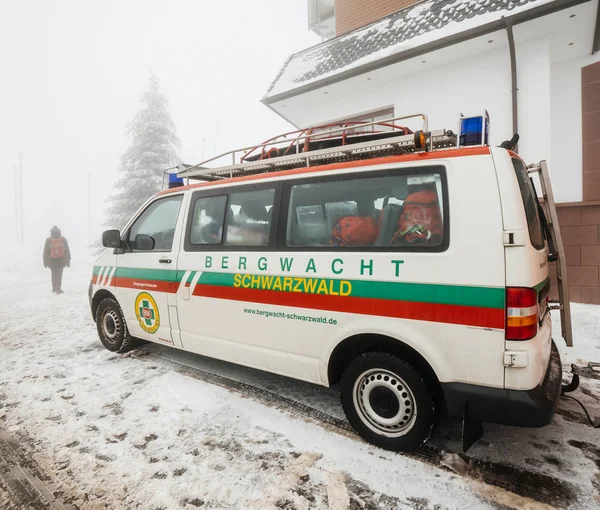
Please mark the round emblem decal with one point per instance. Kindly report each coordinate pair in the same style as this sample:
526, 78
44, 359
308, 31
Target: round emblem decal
146, 311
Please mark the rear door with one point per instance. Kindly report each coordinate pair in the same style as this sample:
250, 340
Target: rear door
146, 275
526, 257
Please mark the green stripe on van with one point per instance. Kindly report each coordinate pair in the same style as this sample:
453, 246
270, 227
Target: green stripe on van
222, 279
485, 297
541, 285
165, 275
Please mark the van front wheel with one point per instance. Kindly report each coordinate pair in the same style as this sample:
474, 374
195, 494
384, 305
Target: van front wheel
387, 401
111, 326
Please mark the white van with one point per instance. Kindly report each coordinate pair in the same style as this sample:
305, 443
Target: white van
410, 269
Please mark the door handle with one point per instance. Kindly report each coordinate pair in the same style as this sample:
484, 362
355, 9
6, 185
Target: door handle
164, 261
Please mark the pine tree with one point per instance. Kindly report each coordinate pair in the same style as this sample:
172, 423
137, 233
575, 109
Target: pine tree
153, 148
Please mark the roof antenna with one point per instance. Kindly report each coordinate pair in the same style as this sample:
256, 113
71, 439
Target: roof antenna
510, 144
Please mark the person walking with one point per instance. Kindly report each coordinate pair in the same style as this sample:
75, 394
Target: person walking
57, 256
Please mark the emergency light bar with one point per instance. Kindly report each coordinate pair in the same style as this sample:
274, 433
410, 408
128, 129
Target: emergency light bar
474, 130
174, 181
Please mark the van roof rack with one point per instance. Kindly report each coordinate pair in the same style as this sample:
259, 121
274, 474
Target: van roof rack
322, 145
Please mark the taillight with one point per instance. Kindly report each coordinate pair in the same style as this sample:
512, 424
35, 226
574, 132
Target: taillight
521, 313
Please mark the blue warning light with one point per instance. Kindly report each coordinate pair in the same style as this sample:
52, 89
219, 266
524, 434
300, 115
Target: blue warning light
474, 131
174, 181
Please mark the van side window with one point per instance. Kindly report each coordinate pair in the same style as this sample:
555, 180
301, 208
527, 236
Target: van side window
531, 205
248, 219
394, 210
158, 221
207, 220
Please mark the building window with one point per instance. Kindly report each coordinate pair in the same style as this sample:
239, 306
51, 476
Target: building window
321, 17
378, 116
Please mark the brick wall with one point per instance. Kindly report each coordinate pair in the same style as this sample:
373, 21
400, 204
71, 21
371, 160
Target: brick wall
352, 14
590, 104
580, 228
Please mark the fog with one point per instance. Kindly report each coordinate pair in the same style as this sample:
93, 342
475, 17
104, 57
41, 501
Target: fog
72, 73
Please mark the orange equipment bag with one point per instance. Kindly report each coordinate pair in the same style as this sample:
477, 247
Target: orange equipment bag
421, 220
354, 231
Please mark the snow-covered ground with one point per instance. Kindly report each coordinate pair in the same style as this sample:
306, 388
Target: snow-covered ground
135, 431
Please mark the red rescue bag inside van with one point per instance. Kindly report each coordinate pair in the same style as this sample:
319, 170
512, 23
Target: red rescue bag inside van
354, 231
420, 221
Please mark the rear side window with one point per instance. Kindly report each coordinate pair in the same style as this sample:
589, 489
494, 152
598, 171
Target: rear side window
392, 210
531, 205
248, 219
234, 219
207, 220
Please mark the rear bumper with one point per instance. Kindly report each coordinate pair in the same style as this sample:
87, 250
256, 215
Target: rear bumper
525, 408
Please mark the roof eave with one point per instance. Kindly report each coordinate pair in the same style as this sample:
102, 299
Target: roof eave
500, 24
270, 106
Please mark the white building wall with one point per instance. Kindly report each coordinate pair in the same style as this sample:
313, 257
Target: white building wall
446, 91
533, 100
442, 92
533, 76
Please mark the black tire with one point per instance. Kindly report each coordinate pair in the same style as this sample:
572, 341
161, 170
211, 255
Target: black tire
397, 413
112, 328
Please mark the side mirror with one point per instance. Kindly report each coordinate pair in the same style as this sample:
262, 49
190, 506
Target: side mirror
111, 239
144, 243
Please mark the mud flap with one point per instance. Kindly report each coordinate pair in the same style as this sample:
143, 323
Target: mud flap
472, 430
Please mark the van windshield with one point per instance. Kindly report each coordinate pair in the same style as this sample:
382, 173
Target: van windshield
531, 205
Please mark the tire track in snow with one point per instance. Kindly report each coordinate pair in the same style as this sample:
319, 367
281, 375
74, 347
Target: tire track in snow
20, 488
535, 486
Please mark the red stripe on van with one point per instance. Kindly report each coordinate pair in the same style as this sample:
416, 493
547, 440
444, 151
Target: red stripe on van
146, 285
449, 314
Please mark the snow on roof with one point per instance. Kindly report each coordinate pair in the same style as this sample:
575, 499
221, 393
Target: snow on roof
403, 30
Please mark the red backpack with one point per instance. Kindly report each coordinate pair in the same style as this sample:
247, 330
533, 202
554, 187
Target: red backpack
421, 220
57, 248
354, 231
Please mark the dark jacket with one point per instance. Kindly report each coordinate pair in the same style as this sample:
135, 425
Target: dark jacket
56, 262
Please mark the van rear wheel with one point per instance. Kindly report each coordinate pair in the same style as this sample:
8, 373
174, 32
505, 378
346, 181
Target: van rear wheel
111, 326
387, 401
